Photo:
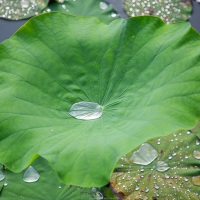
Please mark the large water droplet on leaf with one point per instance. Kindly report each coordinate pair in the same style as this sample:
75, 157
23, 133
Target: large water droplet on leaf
144, 155
196, 154
162, 166
31, 175
2, 176
86, 110
196, 180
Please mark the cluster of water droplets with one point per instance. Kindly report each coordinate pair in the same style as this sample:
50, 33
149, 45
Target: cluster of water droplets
152, 171
21, 9
168, 10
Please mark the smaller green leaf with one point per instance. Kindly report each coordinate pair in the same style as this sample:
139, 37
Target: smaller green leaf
168, 10
173, 173
21, 9
47, 186
89, 8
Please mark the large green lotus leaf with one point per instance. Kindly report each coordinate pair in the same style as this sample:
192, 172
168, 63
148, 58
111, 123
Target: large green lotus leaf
21, 9
168, 10
95, 8
172, 173
48, 186
143, 73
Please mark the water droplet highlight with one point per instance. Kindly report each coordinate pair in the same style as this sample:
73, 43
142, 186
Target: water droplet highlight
5, 184
162, 166
31, 175
103, 5
86, 110
2, 176
144, 155
196, 154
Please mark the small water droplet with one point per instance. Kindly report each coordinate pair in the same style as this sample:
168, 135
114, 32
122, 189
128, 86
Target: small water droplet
103, 5
156, 186
144, 155
196, 180
167, 176
2, 176
31, 175
113, 14
186, 157
186, 179
97, 195
196, 154
174, 154
59, 187
162, 166
5, 184
25, 4
137, 188
146, 189
86, 110
197, 142
188, 132
170, 157
158, 141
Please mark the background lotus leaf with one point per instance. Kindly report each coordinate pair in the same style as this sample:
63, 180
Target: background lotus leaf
96, 8
21, 9
49, 186
168, 10
144, 74
175, 173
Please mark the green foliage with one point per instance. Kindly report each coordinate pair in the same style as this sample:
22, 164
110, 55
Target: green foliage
49, 186
174, 174
144, 74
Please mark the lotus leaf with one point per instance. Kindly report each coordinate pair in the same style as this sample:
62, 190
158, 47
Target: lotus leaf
174, 174
143, 73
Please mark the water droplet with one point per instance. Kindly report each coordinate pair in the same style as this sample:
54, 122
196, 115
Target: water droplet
196, 180
158, 141
162, 166
113, 14
156, 186
144, 155
167, 176
5, 184
196, 154
174, 154
170, 157
186, 179
86, 110
197, 142
188, 132
146, 189
186, 157
137, 188
59, 187
25, 4
142, 169
2, 176
97, 195
103, 5
31, 175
